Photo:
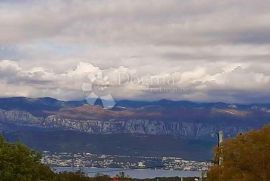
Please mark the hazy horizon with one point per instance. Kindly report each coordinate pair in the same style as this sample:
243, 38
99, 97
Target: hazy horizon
141, 100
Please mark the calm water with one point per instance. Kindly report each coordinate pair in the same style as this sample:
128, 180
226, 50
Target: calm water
134, 173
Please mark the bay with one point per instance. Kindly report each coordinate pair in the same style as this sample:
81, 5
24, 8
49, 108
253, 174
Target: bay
133, 173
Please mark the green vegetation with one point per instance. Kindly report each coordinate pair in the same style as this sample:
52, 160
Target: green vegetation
67, 176
245, 158
167, 179
115, 144
19, 163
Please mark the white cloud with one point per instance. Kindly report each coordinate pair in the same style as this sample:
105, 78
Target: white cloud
211, 50
125, 83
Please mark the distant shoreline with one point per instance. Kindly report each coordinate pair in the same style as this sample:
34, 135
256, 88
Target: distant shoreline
133, 173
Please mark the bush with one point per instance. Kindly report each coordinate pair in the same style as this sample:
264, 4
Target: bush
19, 163
245, 158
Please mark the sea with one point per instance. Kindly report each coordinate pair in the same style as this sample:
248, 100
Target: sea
133, 173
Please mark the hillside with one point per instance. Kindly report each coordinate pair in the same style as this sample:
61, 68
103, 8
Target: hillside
187, 122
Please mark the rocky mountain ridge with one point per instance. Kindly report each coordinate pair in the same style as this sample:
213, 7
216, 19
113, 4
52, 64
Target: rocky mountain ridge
96, 120
180, 128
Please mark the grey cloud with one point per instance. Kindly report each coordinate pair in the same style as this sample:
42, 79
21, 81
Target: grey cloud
154, 22
205, 82
199, 44
215, 57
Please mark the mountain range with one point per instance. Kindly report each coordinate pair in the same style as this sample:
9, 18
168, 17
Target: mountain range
173, 128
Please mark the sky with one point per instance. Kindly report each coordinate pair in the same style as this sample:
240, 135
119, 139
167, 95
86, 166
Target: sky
198, 50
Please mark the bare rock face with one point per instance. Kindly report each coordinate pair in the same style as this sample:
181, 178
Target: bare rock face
18, 117
134, 126
188, 128
153, 118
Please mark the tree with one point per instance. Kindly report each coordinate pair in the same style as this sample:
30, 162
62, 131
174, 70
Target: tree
19, 163
245, 158
79, 176
122, 176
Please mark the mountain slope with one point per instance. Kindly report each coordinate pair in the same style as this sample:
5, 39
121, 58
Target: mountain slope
191, 123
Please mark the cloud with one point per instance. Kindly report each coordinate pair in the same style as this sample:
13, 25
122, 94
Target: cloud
209, 82
210, 50
173, 22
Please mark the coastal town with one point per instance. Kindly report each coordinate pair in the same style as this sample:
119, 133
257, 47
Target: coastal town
119, 161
